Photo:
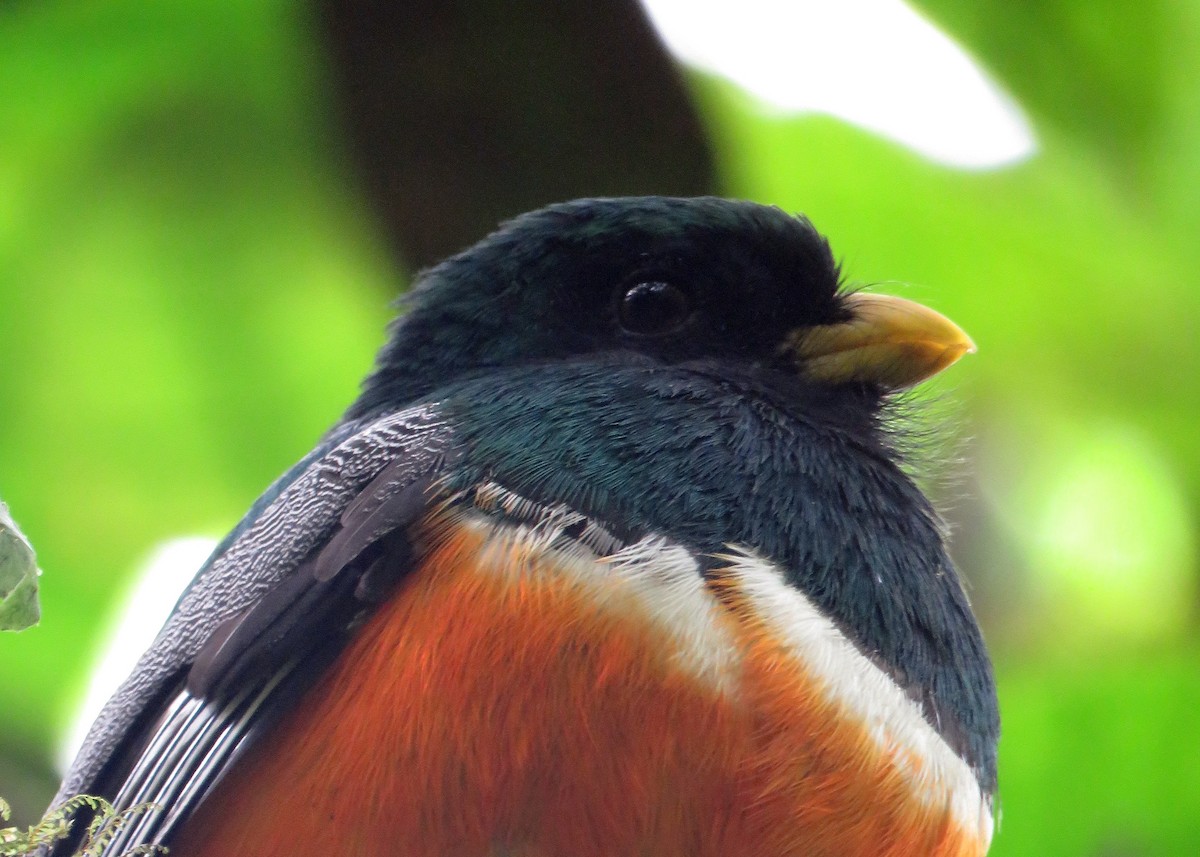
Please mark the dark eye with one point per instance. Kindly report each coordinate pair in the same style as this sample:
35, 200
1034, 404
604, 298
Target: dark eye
653, 308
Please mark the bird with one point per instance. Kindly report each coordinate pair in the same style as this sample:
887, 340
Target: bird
616, 552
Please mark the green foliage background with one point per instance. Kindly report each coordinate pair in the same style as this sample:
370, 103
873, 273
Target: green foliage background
190, 290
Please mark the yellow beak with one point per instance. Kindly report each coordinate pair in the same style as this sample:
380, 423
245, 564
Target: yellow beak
888, 341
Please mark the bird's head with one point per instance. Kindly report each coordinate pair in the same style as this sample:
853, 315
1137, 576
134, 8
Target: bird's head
677, 280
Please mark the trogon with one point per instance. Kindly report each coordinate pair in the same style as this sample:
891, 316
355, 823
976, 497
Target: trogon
616, 553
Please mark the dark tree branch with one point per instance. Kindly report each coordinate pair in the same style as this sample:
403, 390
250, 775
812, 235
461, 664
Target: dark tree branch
462, 114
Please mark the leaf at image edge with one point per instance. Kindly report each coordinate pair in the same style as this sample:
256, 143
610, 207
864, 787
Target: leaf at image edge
18, 577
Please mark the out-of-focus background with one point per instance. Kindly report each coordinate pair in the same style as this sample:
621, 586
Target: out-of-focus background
206, 207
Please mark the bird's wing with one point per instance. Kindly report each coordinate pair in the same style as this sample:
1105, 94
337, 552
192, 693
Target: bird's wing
262, 618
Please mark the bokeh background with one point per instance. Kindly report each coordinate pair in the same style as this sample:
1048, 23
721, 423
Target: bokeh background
206, 207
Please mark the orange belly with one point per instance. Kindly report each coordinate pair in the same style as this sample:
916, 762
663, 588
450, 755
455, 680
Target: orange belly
480, 713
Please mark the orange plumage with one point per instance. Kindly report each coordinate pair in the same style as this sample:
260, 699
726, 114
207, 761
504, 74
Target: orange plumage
496, 706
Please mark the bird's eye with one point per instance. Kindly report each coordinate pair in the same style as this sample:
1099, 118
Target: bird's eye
653, 308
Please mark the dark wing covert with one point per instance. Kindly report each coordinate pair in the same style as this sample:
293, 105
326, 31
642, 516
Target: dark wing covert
261, 620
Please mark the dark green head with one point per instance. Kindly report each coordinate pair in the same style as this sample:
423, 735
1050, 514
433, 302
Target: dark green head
676, 279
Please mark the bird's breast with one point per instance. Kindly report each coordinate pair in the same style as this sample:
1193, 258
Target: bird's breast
538, 689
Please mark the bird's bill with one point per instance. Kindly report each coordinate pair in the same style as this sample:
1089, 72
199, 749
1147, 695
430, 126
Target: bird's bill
888, 341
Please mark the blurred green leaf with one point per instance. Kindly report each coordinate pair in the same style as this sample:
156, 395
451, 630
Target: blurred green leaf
18, 577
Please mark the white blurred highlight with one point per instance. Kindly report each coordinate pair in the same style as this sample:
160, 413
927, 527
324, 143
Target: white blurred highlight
161, 580
875, 63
